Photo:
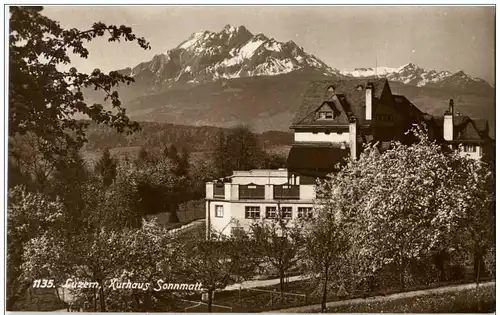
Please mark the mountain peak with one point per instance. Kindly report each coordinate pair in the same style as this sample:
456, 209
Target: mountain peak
409, 66
233, 52
234, 29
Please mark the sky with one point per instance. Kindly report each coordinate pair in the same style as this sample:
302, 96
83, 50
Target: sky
449, 38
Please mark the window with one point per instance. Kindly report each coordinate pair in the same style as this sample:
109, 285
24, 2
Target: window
325, 115
327, 132
305, 212
219, 211
252, 212
219, 191
470, 148
315, 132
270, 212
286, 212
384, 117
251, 191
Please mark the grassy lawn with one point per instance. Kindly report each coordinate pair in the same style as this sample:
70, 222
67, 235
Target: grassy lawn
254, 301
450, 302
247, 301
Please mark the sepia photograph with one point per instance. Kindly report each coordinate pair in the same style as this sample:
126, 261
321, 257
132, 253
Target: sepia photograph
250, 158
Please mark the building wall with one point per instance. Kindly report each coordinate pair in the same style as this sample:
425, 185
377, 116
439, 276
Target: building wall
220, 224
473, 155
234, 213
321, 136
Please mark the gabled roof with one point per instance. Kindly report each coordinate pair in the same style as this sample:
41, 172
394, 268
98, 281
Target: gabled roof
347, 95
405, 105
464, 127
482, 126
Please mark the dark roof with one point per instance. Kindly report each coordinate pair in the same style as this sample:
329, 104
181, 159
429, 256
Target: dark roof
481, 125
405, 105
348, 96
457, 120
464, 127
316, 158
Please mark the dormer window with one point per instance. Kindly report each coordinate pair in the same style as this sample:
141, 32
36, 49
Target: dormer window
331, 88
325, 115
359, 88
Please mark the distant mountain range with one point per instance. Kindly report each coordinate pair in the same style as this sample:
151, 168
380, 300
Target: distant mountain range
234, 77
414, 75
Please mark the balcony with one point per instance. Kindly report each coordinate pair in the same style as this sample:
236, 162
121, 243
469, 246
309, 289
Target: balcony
251, 191
230, 191
289, 192
219, 191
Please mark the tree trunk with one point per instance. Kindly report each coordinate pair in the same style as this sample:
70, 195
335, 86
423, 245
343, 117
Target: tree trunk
101, 298
401, 270
94, 302
282, 283
210, 291
147, 301
478, 265
325, 292
478, 304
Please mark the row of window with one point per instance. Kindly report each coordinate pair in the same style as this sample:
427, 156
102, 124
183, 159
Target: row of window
469, 148
253, 212
327, 132
384, 117
329, 115
325, 115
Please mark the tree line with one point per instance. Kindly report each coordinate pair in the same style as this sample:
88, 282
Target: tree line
158, 135
411, 216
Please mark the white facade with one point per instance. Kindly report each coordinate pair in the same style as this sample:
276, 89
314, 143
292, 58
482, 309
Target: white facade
224, 213
472, 151
321, 136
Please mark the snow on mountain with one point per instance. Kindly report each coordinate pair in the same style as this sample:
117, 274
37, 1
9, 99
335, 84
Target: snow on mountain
415, 75
235, 52
231, 53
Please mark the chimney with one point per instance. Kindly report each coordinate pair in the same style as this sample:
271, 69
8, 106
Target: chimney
352, 137
448, 123
369, 100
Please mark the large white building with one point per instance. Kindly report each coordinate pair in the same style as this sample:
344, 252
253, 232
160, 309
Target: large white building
236, 201
334, 120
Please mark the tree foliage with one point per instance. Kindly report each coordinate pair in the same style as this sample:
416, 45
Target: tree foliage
326, 245
43, 98
278, 243
218, 260
409, 203
29, 215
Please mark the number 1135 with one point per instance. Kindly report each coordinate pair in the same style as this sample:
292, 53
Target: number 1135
43, 283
